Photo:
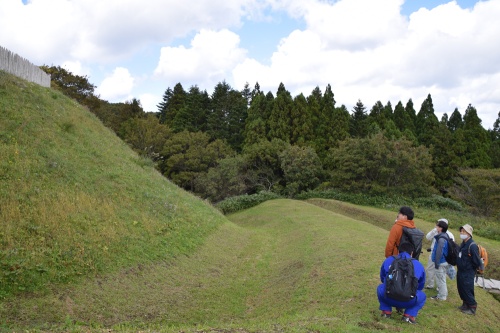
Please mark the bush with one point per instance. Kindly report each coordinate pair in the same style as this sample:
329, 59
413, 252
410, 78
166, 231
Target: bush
356, 198
439, 202
237, 203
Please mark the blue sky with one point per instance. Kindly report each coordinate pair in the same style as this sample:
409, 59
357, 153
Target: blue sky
387, 50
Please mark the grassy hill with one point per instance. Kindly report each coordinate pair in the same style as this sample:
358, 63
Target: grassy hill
93, 239
76, 201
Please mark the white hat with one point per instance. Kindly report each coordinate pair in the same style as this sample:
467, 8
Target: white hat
467, 228
444, 220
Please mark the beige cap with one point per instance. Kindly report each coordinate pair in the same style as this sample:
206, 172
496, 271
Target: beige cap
467, 228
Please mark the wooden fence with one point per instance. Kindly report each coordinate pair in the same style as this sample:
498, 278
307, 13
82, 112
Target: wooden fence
16, 65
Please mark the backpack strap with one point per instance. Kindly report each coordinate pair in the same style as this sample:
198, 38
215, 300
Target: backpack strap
470, 246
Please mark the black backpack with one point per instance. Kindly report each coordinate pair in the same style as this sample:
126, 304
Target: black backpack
453, 251
414, 236
400, 282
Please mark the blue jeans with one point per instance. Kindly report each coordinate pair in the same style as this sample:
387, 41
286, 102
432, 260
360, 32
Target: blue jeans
411, 307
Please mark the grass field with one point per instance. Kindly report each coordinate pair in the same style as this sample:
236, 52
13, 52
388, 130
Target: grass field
283, 266
93, 239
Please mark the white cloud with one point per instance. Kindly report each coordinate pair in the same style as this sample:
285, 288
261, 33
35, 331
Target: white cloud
76, 68
149, 102
101, 31
209, 60
355, 24
117, 87
448, 52
365, 49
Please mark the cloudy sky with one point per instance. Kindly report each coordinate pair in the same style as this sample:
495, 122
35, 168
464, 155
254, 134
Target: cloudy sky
384, 50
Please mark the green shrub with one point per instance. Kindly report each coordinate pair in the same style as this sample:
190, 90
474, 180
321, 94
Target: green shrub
439, 202
237, 203
356, 198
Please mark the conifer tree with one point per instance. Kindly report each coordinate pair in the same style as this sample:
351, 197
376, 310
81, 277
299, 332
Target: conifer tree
478, 141
358, 122
426, 122
193, 115
280, 121
391, 132
402, 119
495, 143
314, 101
340, 126
256, 122
335, 126
247, 94
301, 122
171, 103
446, 162
444, 119
387, 113
163, 105
410, 111
226, 119
455, 122
376, 117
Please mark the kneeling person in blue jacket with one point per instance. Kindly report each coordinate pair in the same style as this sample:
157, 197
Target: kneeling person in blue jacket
412, 306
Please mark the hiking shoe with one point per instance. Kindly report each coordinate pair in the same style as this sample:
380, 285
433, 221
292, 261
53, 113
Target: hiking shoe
437, 298
463, 307
400, 310
408, 319
386, 314
469, 311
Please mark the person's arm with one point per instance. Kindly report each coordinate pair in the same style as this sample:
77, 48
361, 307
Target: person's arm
430, 235
421, 279
383, 273
392, 241
477, 263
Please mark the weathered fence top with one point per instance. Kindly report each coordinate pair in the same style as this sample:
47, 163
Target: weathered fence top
16, 65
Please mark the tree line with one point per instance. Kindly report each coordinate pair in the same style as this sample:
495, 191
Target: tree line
242, 142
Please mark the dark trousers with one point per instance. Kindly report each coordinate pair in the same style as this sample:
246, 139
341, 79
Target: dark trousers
465, 286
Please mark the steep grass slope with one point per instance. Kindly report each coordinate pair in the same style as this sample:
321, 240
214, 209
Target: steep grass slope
75, 201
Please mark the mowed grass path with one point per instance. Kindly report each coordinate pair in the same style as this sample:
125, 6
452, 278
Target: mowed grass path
283, 266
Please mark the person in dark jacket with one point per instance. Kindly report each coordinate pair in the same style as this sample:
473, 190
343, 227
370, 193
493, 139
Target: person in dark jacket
468, 262
410, 308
